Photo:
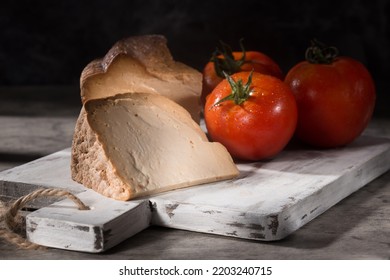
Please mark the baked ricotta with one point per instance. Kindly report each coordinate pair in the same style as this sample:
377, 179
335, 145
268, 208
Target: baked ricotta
137, 144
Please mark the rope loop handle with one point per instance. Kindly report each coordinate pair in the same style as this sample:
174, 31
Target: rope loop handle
10, 215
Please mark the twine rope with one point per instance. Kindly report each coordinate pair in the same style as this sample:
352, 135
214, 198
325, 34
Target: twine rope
10, 215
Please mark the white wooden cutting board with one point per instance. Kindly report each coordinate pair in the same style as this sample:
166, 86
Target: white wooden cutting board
268, 201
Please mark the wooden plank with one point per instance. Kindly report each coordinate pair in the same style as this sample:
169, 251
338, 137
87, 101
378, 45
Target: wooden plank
46, 172
268, 201
106, 224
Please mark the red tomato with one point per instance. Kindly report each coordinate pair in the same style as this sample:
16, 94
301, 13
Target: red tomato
254, 117
232, 62
335, 97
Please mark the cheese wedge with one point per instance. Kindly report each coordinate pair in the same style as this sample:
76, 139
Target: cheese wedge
137, 144
142, 64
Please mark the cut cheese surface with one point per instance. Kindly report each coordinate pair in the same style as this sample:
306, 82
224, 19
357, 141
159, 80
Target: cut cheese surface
137, 144
142, 64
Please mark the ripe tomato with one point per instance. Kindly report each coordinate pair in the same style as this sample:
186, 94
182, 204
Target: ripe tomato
232, 62
335, 97
252, 115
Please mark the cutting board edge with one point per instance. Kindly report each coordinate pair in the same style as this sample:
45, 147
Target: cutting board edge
249, 225
88, 236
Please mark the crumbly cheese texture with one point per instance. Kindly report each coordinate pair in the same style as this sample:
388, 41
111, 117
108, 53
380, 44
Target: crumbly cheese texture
143, 64
137, 144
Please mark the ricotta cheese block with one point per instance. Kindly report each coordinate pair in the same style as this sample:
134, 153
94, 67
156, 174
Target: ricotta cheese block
137, 144
142, 64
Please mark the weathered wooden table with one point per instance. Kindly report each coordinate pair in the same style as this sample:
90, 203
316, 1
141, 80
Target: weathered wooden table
35, 122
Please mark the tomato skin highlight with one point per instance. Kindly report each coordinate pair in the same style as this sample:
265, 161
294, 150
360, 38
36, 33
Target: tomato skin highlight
261, 126
335, 101
256, 61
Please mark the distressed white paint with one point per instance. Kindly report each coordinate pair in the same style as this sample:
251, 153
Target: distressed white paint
272, 199
268, 201
107, 223
49, 171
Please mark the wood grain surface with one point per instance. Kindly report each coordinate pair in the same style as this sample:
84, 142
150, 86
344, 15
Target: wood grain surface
268, 201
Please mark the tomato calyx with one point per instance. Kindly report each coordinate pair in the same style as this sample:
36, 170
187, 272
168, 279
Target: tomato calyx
319, 53
240, 92
224, 60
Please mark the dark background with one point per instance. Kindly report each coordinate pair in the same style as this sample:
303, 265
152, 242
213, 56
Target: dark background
50, 42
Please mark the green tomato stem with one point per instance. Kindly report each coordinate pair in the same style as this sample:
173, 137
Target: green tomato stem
319, 53
240, 92
227, 63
